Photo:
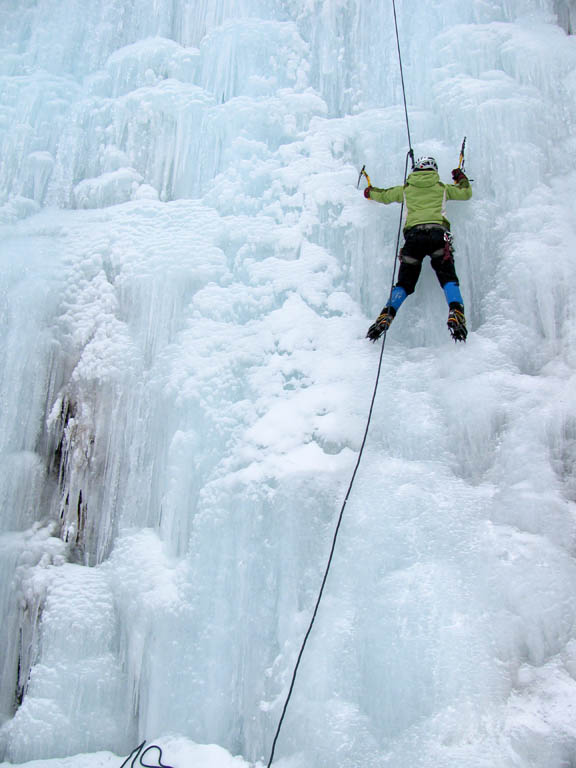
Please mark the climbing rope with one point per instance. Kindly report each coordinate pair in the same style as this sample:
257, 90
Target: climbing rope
410, 150
409, 156
136, 757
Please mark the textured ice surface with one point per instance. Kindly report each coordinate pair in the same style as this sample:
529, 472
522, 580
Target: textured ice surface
187, 272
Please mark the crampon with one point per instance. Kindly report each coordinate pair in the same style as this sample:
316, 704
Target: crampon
382, 324
457, 324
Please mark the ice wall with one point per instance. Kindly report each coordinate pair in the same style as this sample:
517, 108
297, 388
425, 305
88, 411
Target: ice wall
566, 12
187, 272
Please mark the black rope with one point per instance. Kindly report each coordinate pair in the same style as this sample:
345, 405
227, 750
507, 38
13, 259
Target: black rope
347, 496
325, 577
138, 754
410, 155
411, 151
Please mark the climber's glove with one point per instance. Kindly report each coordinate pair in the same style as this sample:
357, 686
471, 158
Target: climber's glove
458, 175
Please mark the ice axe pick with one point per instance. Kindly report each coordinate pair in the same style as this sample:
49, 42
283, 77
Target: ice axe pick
363, 173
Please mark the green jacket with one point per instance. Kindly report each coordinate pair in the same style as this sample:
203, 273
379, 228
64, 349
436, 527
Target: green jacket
425, 197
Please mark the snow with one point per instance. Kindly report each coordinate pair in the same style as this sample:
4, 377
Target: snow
182, 752
187, 273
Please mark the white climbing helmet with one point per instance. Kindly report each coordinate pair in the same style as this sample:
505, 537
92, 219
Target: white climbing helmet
425, 164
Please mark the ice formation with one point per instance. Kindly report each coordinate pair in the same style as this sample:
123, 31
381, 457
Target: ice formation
187, 272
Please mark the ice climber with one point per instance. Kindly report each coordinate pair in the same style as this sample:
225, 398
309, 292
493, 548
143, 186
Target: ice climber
426, 233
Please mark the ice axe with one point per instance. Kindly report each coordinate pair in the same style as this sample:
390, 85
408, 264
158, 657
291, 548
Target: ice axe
363, 173
461, 159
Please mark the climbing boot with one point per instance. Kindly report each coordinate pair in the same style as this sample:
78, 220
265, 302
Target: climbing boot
382, 323
457, 322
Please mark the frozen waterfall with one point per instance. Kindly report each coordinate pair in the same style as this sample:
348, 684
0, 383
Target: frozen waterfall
187, 273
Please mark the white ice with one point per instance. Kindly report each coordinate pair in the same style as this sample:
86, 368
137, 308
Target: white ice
187, 272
